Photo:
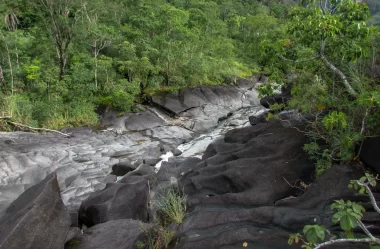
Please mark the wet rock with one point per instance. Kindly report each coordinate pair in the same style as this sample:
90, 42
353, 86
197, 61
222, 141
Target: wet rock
127, 200
115, 234
36, 219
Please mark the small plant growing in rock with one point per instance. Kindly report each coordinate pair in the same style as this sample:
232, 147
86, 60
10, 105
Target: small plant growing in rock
171, 206
158, 237
348, 214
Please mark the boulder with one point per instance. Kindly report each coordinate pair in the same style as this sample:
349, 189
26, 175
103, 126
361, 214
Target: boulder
115, 234
258, 119
122, 168
128, 200
144, 170
281, 98
36, 219
250, 170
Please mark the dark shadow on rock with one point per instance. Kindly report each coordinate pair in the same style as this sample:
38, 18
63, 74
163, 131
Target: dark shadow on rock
370, 153
114, 234
128, 200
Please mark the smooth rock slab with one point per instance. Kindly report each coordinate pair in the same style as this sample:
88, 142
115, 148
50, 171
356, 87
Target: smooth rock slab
37, 219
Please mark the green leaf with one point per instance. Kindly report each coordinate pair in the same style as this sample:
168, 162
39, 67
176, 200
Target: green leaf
314, 232
357, 208
348, 222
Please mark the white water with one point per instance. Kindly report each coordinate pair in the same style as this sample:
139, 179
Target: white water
197, 146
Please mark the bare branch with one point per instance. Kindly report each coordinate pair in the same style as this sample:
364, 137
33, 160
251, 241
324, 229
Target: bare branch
39, 129
338, 241
371, 197
340, 74
300, 61
368, 233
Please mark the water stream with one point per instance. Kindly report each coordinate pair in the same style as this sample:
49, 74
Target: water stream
197, 146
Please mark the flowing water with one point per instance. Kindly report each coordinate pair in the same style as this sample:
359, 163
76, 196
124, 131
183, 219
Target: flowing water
197, 146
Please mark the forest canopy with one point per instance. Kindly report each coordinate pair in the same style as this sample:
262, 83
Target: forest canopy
62, 60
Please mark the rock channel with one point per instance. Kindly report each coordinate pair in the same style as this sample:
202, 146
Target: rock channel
240, 189
84, 161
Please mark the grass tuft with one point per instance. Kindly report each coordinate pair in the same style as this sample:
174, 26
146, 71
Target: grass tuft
171, 206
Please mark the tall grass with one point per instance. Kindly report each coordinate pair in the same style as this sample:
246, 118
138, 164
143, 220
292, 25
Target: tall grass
53, 114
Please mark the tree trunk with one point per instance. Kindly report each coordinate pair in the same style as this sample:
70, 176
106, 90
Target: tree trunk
10, 68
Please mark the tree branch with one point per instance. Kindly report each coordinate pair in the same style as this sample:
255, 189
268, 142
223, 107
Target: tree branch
300, 61
39, 129
368, 233
337, 241
371, 197
339, 73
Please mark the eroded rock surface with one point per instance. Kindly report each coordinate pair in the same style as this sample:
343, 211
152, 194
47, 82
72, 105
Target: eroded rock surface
115, 234
200, 108
84, 161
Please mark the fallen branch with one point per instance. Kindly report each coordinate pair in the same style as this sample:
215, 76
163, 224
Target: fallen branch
39, 129
5, 117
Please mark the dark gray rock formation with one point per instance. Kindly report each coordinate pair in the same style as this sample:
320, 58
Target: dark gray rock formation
240, 191
239, 165
127, 200
370, 153
114, 234
258, 119
200, 108
36, 219
281, 98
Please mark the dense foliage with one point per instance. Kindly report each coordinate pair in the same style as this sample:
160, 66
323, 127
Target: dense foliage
60, 60
333, 57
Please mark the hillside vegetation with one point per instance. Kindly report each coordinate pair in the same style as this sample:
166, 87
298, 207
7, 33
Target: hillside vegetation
61, 60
